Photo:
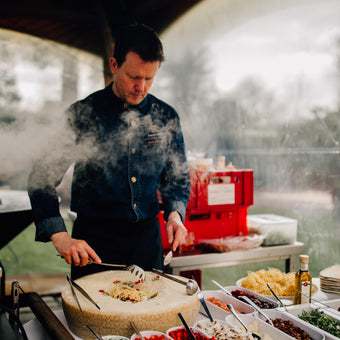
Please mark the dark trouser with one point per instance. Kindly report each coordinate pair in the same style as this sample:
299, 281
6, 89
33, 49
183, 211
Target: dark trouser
119, 242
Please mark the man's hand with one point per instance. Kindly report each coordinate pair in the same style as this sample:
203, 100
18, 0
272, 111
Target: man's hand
76, 252
175, 230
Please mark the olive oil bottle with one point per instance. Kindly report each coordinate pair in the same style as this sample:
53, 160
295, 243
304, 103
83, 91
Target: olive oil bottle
303, 282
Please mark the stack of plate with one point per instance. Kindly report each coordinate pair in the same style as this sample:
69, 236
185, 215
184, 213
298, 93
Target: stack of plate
330, 279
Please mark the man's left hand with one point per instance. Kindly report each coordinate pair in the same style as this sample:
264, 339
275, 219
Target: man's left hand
176, 230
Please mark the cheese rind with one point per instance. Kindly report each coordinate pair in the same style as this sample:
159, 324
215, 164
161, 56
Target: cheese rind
159, 313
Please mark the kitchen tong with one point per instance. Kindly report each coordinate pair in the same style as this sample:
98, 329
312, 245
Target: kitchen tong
81, 290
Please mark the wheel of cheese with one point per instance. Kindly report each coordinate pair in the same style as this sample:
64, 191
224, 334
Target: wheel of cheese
158, 313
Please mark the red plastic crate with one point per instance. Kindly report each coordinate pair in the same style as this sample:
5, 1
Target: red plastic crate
221, 189
218, 204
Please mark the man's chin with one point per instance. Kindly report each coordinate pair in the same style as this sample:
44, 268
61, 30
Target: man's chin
132, 100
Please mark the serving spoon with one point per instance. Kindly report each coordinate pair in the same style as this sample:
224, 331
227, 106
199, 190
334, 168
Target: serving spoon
205, 306
255, 306
185, 324
217, 284
191, 286
276, 297
93, 332
232, 310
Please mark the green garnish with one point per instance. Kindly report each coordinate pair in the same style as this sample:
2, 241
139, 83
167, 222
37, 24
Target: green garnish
152, 296
321, 320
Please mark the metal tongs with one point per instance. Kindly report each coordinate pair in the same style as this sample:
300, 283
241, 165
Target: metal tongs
133, 268
81, 290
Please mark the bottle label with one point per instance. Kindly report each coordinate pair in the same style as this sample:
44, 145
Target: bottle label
305, 290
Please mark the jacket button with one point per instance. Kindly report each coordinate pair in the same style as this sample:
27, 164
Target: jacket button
133, 150
135, 206
133, 179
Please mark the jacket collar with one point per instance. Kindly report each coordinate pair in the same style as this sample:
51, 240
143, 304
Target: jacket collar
121, 105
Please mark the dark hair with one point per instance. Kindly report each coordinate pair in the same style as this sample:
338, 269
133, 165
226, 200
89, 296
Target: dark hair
140, 39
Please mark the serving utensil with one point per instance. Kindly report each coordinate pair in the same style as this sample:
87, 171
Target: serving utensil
217, 284
232, 310
205, 306
276, 297
191, 285
133, 268
73, 292
81, 290
93, 332
136, 330
168, 258
321, 303
191, 334
255, 306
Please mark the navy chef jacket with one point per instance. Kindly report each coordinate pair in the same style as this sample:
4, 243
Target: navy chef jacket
122, 156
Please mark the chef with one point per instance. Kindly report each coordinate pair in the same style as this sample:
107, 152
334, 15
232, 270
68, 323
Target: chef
127, 147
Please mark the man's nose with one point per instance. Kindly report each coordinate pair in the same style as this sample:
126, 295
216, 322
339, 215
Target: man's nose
140, 85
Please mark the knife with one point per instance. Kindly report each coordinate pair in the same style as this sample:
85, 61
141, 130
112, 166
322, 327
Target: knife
82, 291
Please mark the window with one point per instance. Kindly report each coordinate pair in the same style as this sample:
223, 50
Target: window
259, 84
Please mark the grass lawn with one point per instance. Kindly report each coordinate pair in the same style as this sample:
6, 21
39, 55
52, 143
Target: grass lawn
23, 255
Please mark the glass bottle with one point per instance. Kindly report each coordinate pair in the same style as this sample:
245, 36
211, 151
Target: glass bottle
303, 282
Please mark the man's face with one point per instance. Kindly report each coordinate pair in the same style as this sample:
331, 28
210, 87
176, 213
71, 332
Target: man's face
133, 78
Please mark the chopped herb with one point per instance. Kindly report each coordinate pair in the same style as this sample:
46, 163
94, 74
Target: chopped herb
152, 296
321, 320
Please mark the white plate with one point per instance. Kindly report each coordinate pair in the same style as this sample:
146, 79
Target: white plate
288, 298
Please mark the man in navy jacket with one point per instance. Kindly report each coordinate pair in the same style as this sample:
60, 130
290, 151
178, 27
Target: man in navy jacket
126, 146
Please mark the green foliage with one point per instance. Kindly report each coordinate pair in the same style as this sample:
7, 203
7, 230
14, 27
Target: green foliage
25, 256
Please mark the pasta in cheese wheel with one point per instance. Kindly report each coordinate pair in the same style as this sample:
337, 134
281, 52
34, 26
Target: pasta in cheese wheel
151, 305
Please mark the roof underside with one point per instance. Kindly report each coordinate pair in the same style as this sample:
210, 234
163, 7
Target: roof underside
84, 24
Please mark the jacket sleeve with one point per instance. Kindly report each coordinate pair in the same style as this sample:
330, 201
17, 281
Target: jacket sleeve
47, 173
175, 181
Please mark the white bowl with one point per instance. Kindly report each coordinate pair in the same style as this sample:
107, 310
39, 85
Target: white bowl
148, 334
207, 321
263, 327
258, 296
220, 313
114, 337
193, 329
273, 314
332, 304
296, 310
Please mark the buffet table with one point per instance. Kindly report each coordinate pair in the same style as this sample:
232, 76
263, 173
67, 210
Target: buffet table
35, 331
236, 257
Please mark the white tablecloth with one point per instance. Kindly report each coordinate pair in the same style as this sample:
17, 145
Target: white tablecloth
35, 331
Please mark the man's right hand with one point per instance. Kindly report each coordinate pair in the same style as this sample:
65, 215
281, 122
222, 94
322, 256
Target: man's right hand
74, 251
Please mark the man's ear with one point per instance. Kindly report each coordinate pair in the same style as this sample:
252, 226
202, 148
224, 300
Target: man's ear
113, 65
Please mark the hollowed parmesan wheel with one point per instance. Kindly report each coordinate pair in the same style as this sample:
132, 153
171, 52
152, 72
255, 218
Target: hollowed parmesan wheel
158, 313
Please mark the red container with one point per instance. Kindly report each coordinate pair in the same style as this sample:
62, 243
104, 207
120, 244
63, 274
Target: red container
221, 189
218, 204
